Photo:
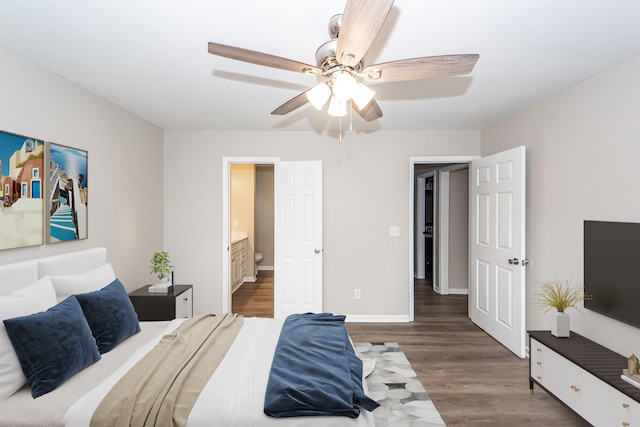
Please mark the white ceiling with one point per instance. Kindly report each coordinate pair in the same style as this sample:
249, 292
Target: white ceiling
150, 56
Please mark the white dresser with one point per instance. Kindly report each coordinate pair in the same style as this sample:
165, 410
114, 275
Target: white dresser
586, 377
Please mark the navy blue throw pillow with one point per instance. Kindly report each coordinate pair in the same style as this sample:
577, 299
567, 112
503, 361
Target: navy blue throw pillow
52, 345
110, 314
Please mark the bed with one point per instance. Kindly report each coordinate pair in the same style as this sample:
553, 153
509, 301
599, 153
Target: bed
234, 395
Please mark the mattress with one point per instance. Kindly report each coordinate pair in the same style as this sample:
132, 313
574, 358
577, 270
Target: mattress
233, 397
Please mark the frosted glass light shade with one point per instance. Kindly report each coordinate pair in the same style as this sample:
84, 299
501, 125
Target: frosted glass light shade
363, 96
344, 86
319, 95
337, 108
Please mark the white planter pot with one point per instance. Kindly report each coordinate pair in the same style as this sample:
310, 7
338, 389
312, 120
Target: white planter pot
560, 325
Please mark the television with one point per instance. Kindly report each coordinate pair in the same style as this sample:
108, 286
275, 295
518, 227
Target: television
612, 269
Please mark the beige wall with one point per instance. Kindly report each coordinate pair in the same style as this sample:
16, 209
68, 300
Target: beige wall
125, 171
243, 206
583, 147
459, 231
366, 190
264, 214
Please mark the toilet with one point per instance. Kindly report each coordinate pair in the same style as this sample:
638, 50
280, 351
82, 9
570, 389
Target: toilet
257, 257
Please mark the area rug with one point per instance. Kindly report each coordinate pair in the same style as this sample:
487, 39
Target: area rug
394, 385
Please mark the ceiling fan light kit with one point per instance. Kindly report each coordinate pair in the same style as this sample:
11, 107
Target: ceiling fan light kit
341, 61
337, 108
343, 85
319, 95
362, 96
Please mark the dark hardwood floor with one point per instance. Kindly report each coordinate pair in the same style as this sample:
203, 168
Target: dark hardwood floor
472, 379
255, 299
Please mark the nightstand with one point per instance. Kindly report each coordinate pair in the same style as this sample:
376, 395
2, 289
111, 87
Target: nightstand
174, 304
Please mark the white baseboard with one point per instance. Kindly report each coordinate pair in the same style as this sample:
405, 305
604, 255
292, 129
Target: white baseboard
458, 291
249, 279
265, 267
359, 318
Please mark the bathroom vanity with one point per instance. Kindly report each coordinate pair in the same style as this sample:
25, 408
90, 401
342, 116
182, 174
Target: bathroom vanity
238, 262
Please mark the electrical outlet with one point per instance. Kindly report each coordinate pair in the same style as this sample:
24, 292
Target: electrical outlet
356, 294
394, 231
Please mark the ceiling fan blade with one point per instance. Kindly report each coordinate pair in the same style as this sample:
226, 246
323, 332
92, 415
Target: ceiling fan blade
291, 104
361, 22
370, 112
429, 67
260, 58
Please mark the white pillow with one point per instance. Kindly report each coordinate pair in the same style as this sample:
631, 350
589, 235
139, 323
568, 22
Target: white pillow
37, 297
94, 280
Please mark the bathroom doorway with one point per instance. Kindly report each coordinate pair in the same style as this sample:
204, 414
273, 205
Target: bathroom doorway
291, 285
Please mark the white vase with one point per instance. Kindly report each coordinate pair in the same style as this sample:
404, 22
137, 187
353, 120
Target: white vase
164, 281
560, 325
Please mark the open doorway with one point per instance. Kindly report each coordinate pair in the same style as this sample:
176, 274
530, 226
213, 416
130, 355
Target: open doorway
440, 209
254, 294
243, 227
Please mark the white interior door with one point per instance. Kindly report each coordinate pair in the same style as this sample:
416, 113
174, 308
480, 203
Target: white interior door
497, 245
298, 238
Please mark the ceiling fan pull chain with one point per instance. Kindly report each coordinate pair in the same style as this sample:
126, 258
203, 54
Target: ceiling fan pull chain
340, 138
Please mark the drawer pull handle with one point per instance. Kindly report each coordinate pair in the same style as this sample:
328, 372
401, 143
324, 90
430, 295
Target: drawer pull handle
574, 388
538, 377
539, 363
625, 405
538, 349
625, 424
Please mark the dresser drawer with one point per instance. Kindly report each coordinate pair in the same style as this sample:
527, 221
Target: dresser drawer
547, 367
578, 389
184, 304
623, 411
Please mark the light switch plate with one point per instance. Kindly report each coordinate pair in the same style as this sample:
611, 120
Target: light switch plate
394, 230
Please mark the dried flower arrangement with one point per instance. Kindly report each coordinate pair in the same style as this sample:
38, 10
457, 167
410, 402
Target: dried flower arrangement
559, 295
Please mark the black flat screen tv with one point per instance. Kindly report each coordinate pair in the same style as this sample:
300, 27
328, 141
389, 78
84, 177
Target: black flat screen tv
612, 269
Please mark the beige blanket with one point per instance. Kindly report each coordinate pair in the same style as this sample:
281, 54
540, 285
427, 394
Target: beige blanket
162, 387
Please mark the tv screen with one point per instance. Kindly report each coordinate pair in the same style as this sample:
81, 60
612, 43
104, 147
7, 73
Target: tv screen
612, 269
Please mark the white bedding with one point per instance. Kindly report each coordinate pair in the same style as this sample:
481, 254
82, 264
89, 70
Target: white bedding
234, 396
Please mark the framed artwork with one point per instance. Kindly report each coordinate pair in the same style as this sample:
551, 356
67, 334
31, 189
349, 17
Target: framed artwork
68, 193
22, 187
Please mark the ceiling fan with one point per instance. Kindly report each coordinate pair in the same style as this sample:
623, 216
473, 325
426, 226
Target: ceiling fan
341, 62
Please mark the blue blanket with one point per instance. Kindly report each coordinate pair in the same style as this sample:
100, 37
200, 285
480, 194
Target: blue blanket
315, 370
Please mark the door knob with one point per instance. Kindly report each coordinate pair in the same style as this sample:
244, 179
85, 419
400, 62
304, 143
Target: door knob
516, 261
317, 251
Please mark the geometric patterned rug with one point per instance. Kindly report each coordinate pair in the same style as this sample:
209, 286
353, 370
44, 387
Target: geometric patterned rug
394, 385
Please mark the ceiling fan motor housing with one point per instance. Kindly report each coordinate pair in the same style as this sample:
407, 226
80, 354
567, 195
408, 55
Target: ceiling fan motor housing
335, 23
326, 59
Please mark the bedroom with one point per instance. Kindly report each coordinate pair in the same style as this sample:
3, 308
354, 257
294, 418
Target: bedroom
156, 188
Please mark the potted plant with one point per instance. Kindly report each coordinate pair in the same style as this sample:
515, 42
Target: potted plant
554, 294
161, 266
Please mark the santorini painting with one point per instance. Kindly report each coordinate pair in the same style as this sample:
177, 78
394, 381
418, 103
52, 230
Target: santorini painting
21, 176
68, 193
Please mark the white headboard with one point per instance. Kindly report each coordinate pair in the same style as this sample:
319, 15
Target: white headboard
72, 262
19, 274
